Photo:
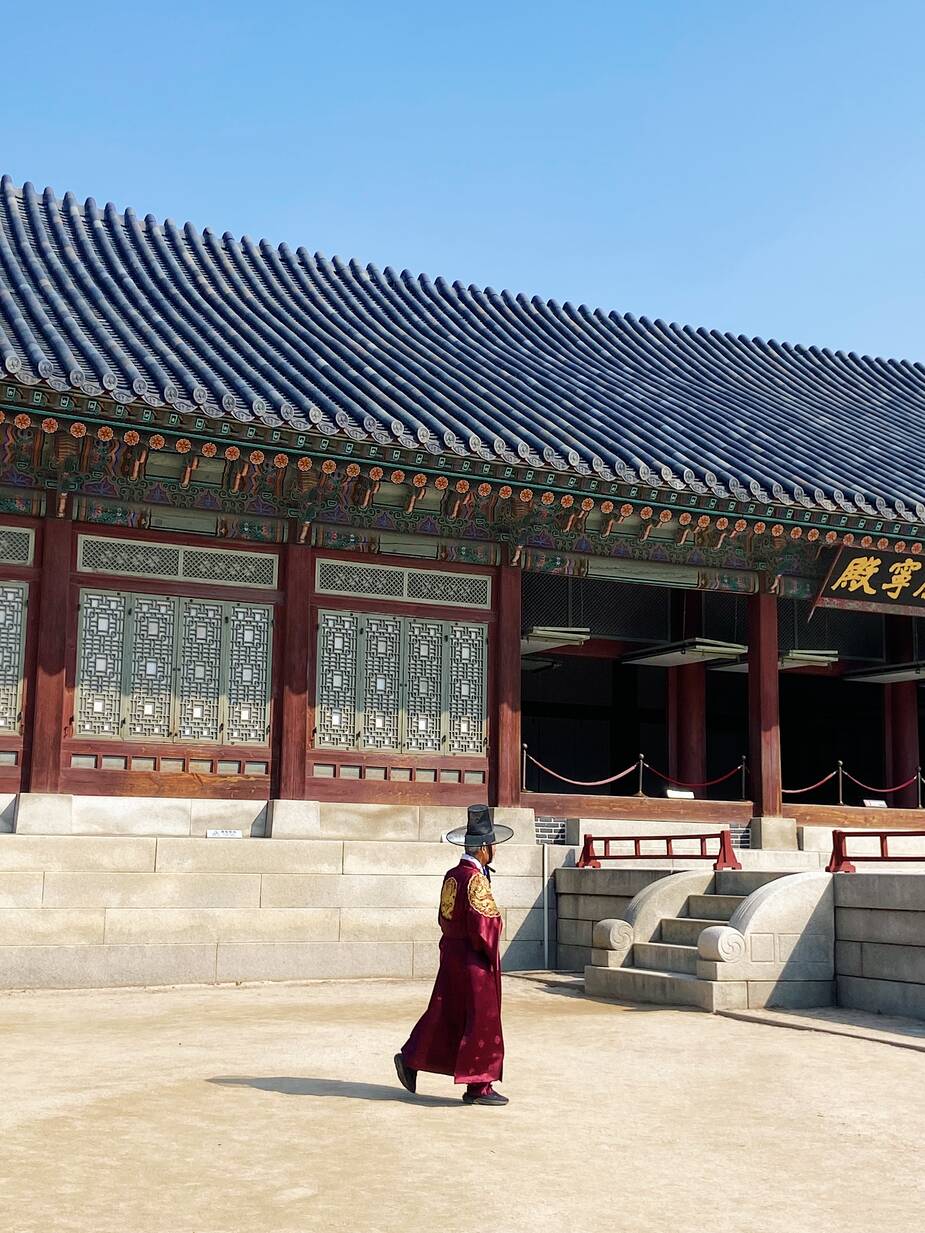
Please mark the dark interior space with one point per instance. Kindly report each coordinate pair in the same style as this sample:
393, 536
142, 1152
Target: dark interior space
590, 718
727, 728
823, 719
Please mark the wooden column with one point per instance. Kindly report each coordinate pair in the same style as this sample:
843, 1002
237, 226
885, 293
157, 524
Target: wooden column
293, 719
507, 692
687, 724
901, 716
686, 696
48, 718
764, 707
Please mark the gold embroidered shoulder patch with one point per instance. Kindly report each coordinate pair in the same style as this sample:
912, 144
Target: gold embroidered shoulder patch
448, 898
480, 896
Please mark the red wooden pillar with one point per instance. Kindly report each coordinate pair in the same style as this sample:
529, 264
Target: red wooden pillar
686, 695
687, 723
764, 707
507, 678
48, 718
293, 720
901, 716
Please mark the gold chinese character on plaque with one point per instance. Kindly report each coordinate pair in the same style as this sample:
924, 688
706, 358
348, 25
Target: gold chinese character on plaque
902, 573
857, 575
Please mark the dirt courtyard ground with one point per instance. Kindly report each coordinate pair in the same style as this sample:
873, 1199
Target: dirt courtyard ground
274, 1109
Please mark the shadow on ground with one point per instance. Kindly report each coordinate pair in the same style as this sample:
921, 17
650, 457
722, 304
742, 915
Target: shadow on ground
343, 1089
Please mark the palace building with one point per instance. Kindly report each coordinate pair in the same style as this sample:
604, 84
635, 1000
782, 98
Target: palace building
276, 527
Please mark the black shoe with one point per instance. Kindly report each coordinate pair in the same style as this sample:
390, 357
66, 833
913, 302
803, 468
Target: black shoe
407, 1077
489, 1097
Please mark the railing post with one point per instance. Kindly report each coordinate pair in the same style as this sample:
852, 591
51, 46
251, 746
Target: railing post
726, 857
841, 784
744, 784
642, 763
839, 862
588, 858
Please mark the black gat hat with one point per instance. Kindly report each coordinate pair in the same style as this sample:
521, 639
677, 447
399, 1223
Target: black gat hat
480, 828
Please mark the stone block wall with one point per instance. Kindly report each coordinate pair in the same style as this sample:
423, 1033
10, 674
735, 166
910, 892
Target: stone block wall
880, 943
585, 896
80, 911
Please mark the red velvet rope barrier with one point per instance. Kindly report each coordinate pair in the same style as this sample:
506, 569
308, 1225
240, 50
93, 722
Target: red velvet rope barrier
707, 783
798, 791
584, 783
867, 788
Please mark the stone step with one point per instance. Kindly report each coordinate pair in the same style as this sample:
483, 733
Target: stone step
643, 985
662, 957
714, 907
683, 930
665, 988
745, 881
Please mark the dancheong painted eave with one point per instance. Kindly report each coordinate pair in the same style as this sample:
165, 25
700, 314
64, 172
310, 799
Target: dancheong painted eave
107, 304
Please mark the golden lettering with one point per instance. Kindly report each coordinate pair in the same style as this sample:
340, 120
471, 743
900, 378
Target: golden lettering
857, 575
902, 573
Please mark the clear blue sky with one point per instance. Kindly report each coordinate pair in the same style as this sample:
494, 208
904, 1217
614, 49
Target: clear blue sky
756, 167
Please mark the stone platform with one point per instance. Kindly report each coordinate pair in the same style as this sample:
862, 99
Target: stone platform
80, 911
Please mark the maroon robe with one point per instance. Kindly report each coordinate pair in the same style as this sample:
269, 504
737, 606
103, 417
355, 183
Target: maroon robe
460, 1032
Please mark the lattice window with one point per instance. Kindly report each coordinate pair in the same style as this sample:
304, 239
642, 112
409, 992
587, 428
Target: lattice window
99, 554
336, 710
249, 638
98, 709
13, 601
159, 669
466, 677
401, 683
222, 565
350, 578
17, 545
199, 670
381, 717
424, 642
430, 586
150, 667
102, 555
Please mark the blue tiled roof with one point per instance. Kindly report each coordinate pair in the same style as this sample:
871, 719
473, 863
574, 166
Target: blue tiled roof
103, 302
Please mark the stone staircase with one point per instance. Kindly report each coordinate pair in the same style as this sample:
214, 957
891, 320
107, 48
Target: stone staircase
668, 968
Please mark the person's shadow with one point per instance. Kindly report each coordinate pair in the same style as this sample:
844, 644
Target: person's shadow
341, 1088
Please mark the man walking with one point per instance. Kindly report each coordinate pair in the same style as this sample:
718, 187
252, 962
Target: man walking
460, 1032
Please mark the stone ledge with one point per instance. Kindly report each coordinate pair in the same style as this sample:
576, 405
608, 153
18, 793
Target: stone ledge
247, 856
886, 997
77, 853
269, 961
88, 967
51, 926
21, 890
157, 926
151, 890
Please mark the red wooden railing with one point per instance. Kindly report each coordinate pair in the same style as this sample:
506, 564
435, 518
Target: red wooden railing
725, 858
841, 863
